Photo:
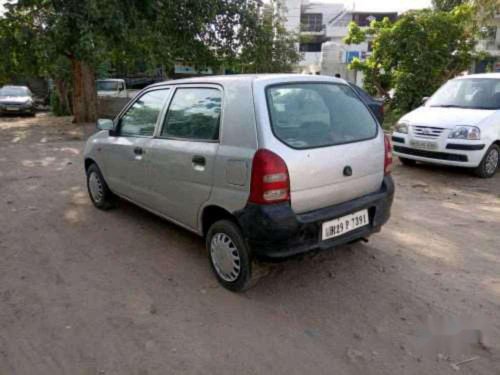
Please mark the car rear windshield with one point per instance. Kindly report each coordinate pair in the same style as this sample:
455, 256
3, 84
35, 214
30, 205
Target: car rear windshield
310, 115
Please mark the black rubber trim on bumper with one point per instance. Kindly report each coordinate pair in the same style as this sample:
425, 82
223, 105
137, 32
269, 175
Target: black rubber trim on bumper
398, 139
276, 232
431, 154
456, 146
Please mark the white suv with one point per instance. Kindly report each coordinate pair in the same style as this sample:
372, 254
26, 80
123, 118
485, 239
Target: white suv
459, 125
261, 166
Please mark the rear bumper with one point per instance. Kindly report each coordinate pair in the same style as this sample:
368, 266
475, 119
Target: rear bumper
275, 231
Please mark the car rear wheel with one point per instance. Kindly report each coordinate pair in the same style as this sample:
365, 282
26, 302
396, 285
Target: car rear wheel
229, 256
408, 162
489, 164
99, 193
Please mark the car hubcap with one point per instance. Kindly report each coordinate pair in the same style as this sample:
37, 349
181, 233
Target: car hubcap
95, 187
491, 164
225, 257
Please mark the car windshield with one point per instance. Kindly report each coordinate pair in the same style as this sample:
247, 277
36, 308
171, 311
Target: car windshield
310, 115
14, 91
108, 85
472, 93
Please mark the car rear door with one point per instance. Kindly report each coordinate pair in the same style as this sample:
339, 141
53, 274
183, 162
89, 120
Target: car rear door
329, 139
126, 154
183, 153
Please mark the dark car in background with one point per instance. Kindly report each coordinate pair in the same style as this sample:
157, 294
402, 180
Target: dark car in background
16, 100
376, 105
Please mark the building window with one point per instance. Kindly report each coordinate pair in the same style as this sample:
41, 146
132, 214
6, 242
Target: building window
310, 47
311, 22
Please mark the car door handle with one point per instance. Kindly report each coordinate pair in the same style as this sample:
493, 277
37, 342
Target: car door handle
138, 151
199, 160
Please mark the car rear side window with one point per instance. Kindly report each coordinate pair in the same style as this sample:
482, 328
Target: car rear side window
311, 115
194, 114
140, 119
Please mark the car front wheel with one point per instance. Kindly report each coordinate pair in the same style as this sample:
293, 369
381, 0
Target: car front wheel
490, 163
99, 193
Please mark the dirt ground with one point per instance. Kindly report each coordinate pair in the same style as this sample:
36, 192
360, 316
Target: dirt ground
123, 292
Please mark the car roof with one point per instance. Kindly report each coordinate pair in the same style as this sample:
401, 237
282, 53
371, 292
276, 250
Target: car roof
481, 75
15, 87
227, 79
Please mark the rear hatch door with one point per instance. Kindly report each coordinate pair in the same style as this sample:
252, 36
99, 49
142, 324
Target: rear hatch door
330, 141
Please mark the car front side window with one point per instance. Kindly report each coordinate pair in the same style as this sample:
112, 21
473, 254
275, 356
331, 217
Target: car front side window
140, 119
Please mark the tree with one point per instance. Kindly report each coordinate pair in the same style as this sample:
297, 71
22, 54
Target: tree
416, 54
85, 33
266, 46
447, 5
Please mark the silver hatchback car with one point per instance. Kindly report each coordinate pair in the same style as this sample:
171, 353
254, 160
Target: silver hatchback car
262, 166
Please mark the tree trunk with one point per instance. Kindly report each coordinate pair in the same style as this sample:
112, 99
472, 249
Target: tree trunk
62, 92
84, 92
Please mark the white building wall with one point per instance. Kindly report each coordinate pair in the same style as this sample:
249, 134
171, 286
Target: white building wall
336, 19
292, 9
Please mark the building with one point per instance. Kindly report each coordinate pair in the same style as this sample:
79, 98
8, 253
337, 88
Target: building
322, 28
490, 44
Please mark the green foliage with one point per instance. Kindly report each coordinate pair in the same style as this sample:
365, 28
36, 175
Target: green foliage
416, 54
55, 38
447, 5
42, 36
355, 34
266, 46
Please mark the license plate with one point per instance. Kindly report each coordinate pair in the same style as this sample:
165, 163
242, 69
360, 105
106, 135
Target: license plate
345, 224
424, 145
12, 108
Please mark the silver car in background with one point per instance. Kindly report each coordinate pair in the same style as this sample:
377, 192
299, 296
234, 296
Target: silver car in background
16, 100
261, 166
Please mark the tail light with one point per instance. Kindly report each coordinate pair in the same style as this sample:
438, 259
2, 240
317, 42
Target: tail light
270, 180
387, 155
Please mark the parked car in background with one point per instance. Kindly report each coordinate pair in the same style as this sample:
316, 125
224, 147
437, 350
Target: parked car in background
114, 88
459, 125
16, 100
376, 105
264, 167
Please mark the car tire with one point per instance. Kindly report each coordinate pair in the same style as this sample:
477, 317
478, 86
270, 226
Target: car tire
98, 190
490, 163
408, 162
229, 256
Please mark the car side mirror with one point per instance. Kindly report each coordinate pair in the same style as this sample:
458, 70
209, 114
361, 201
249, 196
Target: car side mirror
104, 124
424, 99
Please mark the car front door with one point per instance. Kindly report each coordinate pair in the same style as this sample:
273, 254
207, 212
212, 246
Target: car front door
183, 154
127, 152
